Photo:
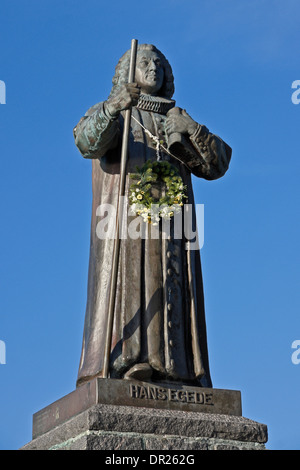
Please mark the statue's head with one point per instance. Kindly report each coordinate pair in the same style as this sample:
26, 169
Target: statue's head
153, 72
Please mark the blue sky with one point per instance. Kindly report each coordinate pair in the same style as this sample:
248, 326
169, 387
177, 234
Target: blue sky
234, 63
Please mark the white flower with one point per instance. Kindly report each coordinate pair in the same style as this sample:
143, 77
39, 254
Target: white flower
164, 211
132, 209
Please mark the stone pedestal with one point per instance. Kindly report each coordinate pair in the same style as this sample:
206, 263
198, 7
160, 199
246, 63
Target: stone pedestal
108, 414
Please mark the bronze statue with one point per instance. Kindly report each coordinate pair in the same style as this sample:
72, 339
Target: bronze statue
159, 331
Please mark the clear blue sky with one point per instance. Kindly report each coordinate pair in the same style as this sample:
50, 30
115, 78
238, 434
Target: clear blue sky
234, 63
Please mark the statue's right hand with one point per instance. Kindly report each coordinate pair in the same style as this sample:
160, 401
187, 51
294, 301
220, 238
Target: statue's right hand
126, 97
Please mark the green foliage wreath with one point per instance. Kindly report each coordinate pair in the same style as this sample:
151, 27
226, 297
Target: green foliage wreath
141, 199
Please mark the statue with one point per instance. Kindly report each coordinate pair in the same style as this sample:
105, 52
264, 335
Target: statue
159, 330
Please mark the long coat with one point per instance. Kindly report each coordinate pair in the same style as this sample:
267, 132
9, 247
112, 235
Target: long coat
159, 308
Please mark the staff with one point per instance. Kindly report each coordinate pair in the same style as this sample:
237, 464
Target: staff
119, 215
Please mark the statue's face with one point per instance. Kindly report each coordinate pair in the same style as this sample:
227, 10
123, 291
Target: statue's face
149, 72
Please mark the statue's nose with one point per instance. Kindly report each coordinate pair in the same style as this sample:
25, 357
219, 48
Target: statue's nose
152, 65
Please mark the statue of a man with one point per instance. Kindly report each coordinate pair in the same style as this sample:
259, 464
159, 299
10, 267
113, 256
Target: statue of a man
159, 331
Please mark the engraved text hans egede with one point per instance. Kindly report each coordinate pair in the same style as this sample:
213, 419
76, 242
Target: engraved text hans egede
170, 394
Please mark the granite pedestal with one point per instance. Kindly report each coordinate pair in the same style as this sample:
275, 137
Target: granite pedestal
108, 414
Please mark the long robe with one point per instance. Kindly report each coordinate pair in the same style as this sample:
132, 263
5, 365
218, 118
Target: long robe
159, 314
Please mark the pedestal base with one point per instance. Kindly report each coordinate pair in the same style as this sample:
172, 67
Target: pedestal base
164, 418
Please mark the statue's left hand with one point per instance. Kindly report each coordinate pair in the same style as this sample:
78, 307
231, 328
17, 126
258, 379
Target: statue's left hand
178, 120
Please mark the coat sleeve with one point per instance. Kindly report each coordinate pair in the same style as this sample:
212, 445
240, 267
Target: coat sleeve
203, 153
213, 154
97, 132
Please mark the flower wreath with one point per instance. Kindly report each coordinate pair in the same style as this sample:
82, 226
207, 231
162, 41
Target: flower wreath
141, 200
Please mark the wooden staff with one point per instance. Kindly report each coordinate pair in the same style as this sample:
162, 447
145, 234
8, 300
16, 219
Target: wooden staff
119, 216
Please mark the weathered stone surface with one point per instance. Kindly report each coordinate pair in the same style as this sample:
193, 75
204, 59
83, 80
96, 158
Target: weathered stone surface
110, 427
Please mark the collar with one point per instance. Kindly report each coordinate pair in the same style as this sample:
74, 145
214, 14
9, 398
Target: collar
155, 104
